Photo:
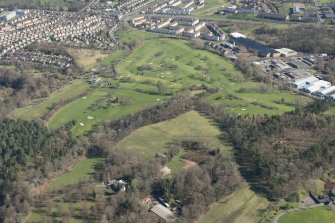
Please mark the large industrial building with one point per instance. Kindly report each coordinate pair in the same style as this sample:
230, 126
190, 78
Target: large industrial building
317, 85
285, 52
6, 16
300, 83
326, 91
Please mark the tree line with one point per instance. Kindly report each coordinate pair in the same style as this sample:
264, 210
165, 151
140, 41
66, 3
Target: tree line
28, 154
279, 154
303, 38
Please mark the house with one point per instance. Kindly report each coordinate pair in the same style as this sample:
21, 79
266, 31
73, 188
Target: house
273, 16
94, 79
230, 9
164, 213
298, 8
117, 185
246, 11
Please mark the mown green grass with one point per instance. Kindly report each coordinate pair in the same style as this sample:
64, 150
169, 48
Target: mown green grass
325, 1
256, 102
160, 54
39, 107
314, 215
95, 105
176, 163
115, 57
152, 139
134, 36
243, 206
81, 171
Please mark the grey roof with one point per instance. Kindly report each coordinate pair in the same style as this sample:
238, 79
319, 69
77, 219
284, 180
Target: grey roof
163, 212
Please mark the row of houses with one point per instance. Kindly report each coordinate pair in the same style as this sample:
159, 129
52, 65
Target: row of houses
183, 26
132, 5
60, 61
47, 26
217, 33
176, 7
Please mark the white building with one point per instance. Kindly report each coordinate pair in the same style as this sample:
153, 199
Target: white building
325, 91
315, 86
237, 35
22, 12
6, 16
285, 52
300, 83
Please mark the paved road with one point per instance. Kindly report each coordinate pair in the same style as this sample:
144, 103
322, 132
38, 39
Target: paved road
89, 5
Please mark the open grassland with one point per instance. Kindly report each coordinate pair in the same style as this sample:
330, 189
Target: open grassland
325, 1
319, 215
210, 7
152, 139
39, 107
115, 57
177, 64
243, 206
81, 171
98, 106
134, 36
330, 112
87, 58
248, 98
57, 211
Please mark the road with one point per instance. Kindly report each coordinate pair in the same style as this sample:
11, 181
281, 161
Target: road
89, 5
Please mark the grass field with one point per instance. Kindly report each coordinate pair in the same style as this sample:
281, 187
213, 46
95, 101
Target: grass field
243, 206
87, 58
80, 171
178, 64
41, 215
314, 215
254, 101
133, 35
210, 7
330, 112
176, 163
95, 105
39, 107
115, 57
175, 63
324, 1
152, 139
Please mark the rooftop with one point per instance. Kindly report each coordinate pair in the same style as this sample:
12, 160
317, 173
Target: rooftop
163, 212
286, 51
